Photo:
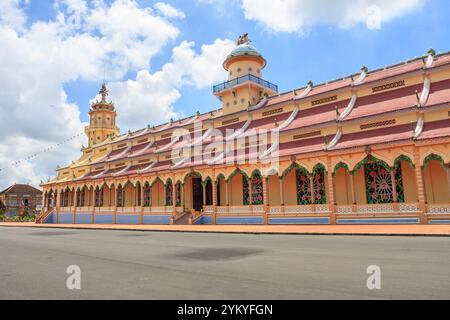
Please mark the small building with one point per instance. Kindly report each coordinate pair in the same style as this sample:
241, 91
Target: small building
20, 198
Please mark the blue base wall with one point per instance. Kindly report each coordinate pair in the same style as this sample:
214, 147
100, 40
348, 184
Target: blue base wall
127, 219
103, 219
239, 220
83, 218
379, 221
439, 221
204, 220
51, 218
160, 219
65, 218
306, 220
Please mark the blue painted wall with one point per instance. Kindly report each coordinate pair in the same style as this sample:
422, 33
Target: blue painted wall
439, 221
239, 220
160, 219
127, 219
204, 220
103, 218
83, 218
307, 220
51, 218
65, 218
379, 221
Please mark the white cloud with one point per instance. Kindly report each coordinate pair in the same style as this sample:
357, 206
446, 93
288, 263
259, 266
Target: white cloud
151, 96
298, 16
86, 38
37, 60
11, 15
169, 11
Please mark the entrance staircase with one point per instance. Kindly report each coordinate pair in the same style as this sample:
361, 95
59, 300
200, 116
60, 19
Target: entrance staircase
183, 219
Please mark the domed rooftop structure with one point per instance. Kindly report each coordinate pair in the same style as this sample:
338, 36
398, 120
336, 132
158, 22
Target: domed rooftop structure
243, 48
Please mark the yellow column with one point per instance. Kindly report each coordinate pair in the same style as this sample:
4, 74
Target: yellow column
174, 195
92, 204
331, 196
448, 179
75, 200
214, 191
352, 185
313, 197
266, 199
141, 218
420, 188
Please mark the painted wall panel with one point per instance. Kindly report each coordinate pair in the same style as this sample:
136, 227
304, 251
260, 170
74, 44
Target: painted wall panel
83, 218
127, 219
239, 220
160, 219
104, 219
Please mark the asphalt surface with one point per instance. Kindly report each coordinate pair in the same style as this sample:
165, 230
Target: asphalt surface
157, 265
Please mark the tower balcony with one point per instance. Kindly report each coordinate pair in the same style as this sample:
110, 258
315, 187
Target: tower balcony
241, 80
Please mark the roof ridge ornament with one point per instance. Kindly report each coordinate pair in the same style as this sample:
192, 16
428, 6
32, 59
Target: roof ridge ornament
244, 39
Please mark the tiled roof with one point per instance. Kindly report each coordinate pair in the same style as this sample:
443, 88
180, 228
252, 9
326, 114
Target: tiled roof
21, 189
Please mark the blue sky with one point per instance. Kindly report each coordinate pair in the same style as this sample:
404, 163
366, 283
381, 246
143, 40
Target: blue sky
325, 53
51, 70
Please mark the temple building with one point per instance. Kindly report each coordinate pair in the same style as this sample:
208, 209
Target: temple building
369, 148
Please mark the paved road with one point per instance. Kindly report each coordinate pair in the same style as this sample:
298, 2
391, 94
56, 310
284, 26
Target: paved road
149, 265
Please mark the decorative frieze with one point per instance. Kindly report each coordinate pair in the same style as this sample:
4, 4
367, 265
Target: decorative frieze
307, 135
377, 124
230, 121
324, 100
389, 86
272, 112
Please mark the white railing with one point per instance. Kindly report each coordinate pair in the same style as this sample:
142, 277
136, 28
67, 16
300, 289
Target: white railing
307, 209
180, 209
438, 209
222, 209
344, 209
128, 210
322, 208
239, 209
104, 209
208, 209
276, 210
375, 208
258, 209
84, 209
408, 207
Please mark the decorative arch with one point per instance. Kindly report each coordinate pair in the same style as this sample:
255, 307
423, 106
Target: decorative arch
245, 184
340, 165
120, 195
371, 160
178, 193
257, 189
169, 192
378, 180
431, 157
155, 181
192, 174
303, 183
399, 175
318, 180
293, 166
235, 172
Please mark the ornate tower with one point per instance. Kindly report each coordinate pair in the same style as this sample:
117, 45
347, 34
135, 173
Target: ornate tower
245, 86
102, 120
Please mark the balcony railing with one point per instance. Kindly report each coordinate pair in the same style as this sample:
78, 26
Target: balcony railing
249, 77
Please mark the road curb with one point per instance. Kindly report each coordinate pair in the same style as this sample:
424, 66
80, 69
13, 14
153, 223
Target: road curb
287, 233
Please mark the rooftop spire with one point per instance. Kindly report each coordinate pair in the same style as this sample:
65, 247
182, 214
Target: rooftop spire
104, 92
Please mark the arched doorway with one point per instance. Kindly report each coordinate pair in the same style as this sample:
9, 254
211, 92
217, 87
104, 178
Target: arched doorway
209, 192
194, 191
435, 180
